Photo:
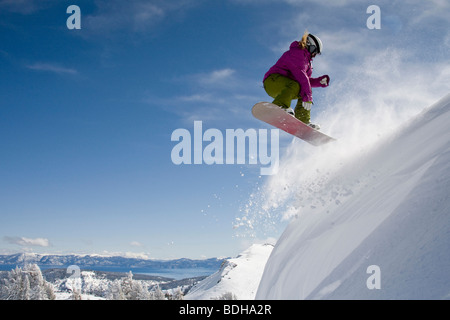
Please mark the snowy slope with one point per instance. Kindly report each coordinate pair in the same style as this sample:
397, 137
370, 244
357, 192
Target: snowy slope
239, 276
389, 208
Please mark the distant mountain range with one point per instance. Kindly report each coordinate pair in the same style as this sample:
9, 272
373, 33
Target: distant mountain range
84, 261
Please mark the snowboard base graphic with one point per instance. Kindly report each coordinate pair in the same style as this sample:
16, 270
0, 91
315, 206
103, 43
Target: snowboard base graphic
277, 117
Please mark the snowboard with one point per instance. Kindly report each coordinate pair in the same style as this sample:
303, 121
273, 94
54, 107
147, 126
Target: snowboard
277, 117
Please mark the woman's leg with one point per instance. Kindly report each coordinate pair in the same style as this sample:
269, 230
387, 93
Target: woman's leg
282, 89
301, 113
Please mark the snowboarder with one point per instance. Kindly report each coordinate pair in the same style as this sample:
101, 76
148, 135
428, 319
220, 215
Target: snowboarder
290, 78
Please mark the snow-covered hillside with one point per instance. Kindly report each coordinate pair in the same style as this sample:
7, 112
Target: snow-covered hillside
238, 278
383, 217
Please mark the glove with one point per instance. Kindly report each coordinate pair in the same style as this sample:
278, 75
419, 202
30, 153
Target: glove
324, 81
307, 105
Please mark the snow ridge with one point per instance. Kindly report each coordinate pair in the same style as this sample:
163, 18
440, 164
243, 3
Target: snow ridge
238, 278
394, 216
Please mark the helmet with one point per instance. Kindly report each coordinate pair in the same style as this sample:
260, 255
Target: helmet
314, 44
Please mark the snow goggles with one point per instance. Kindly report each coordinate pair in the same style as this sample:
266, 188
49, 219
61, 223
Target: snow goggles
313, 45
313, 49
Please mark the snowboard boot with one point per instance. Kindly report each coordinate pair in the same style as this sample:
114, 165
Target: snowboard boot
288, 110
315, 126
305, 116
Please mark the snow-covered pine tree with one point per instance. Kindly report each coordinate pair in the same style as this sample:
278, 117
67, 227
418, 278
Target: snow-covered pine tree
33, 272
16, 286
27, 284
157, 294
127, 286
140, 292
12, 285
76, 295
114, 291
26, 293
127, 289
178, 294
227, 296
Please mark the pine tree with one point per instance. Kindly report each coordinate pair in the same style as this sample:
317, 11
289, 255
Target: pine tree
132, 289
178, 294
39, 288
27, 284
141, 293
26, 293
227, 296
14, 285
157, 294
76, 295
127, 289
50, 293
115, 291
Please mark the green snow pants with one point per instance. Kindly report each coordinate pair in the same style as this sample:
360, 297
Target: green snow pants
284, 90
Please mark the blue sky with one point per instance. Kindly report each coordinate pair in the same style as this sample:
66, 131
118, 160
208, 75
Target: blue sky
86, 116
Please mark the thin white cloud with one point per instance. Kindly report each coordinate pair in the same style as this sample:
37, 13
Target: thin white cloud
135, 255
25, 7
219, 75
23, 241
197, 97
144, 14
209, 87
49, 67
113, 15
298, 3
432, 10
138, 16
136, 244
207, 92
220, 79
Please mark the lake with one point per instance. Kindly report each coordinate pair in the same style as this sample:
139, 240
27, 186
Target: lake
178, 274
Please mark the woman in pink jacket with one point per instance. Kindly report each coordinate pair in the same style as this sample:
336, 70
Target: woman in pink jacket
290, 78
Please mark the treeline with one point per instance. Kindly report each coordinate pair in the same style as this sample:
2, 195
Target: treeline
28, 283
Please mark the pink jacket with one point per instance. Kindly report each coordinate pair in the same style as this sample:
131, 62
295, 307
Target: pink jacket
296, 65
